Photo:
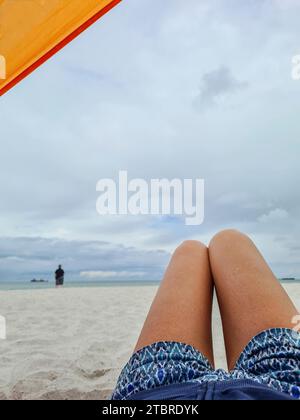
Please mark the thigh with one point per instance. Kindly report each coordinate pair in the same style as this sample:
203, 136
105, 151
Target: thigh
181, 310
250, 297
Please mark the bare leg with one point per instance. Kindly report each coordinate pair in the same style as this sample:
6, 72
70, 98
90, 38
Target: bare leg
250, 297
182, 308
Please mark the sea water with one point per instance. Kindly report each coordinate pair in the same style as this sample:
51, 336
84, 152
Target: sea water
13, 285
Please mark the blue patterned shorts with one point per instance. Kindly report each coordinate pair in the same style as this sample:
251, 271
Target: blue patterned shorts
272, 358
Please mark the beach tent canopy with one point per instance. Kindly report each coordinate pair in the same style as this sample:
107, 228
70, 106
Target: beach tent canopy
31, 31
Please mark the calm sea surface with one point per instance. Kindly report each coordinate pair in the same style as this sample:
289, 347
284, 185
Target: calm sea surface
51, 285
78, 284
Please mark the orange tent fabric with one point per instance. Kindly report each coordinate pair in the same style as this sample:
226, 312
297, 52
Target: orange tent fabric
31, 31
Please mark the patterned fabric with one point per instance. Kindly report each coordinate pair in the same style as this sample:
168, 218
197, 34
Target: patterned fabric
272, 358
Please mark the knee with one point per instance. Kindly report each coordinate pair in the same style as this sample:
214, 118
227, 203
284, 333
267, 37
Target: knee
191, 247
227, 238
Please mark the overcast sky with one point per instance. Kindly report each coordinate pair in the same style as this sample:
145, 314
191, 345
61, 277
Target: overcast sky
160, 89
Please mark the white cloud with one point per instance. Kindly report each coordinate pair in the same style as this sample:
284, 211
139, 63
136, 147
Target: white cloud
131, 105
274, 216
112, 274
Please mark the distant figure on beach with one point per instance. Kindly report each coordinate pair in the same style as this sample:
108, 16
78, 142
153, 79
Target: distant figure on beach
59, 276
174, 356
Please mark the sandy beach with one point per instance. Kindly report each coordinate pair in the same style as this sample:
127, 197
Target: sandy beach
72, 343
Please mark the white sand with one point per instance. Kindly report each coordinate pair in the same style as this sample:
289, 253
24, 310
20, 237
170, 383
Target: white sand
71, 343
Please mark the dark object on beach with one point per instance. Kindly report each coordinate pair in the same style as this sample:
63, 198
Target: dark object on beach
59, 276
39, 281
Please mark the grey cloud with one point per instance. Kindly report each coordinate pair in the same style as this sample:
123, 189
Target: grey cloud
25, 258
111, 102
216, 85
